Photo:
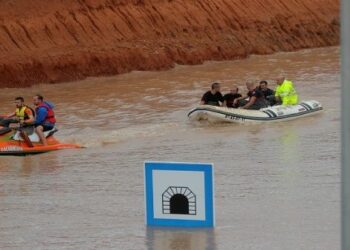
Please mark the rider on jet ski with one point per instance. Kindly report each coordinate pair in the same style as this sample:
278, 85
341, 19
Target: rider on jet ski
23, 115
45, 118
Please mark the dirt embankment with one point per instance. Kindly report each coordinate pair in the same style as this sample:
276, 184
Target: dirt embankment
62, 40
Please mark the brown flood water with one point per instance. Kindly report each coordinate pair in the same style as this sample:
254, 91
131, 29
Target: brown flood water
277, 185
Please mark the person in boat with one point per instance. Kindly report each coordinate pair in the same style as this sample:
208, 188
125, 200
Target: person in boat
23, 115
45, 117
255, 99
230, 97
263, 87
285, 93
213, 96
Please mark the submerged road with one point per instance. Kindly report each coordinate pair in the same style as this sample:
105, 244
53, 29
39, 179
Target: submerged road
277, 185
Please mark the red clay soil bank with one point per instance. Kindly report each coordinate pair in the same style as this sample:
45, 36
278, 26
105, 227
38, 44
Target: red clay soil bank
63, 40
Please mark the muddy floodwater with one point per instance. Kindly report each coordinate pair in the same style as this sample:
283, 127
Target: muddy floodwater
276, 185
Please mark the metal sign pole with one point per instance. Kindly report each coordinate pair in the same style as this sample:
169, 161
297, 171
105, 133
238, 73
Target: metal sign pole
345, 62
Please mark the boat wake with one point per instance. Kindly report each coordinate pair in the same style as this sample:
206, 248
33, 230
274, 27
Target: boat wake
94, 137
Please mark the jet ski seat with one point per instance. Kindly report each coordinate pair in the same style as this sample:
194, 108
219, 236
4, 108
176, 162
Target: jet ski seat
34, 137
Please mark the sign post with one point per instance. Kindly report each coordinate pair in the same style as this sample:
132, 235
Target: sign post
345, 62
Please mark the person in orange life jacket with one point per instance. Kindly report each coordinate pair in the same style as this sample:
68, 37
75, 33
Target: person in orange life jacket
45, 117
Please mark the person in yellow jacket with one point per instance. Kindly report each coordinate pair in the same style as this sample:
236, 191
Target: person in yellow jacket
23, 115
285, 92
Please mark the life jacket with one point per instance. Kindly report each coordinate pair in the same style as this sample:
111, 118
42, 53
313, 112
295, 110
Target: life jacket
50, 114
21, 114
287, 93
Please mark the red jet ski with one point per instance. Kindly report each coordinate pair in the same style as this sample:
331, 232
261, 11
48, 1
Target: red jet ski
15, 142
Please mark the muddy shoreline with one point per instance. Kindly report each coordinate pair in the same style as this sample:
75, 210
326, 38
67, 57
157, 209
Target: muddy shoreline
59, 41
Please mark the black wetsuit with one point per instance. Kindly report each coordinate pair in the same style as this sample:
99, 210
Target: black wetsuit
260, 99
268, 92
229, 98
210, 99
269, 96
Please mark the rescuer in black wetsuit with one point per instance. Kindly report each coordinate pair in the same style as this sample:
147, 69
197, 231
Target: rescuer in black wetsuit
213, 96
229, 98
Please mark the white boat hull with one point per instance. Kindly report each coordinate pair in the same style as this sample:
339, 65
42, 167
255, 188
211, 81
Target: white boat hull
215, 114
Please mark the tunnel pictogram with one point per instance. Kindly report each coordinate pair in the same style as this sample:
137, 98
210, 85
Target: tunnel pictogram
179, 200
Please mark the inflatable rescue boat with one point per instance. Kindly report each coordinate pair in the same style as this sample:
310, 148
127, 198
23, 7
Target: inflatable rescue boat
14, 142
215, 114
